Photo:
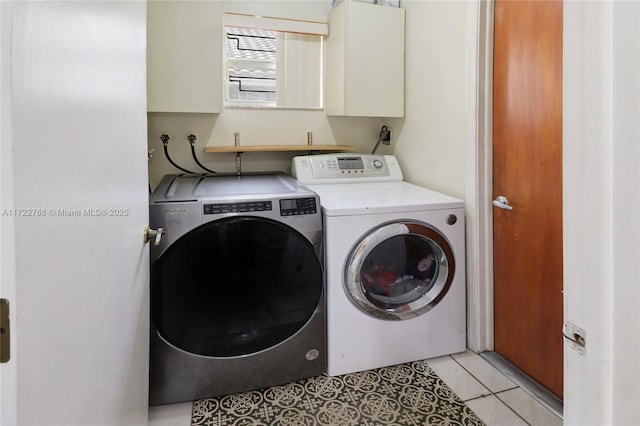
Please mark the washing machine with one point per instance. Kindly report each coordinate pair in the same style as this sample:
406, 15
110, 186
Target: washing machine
394, 263
237, 286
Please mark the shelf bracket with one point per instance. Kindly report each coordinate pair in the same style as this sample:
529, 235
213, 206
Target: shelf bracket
238, 154
309, 142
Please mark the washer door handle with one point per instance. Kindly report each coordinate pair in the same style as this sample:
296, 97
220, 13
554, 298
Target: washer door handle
149, 233
502, 203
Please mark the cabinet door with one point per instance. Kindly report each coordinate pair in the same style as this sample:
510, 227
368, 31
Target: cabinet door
365, 60
184, 56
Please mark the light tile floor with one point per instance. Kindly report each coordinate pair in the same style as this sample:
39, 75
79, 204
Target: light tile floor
491, 395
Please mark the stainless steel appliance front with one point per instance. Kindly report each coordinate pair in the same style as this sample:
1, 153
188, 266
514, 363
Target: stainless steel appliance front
237, 289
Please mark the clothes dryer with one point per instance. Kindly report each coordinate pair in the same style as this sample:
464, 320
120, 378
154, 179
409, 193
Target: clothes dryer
237, 287
394, 263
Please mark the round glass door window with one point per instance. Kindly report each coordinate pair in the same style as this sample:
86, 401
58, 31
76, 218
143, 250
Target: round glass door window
399, 271
235, 286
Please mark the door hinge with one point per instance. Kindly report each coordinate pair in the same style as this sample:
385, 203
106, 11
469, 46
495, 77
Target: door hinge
5, 336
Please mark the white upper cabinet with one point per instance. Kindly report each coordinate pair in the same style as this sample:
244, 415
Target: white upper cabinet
184, 56
364, 72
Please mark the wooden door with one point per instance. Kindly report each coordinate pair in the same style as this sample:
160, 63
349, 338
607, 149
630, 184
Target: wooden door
527, 170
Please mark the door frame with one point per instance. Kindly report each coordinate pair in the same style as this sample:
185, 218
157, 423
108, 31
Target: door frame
479, 182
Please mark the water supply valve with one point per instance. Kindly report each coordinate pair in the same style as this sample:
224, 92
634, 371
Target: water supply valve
385, 135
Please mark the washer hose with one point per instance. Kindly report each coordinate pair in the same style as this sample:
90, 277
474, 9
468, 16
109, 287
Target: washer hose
192, 140
165, 142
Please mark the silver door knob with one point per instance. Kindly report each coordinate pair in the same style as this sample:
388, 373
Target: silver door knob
502, 203
156, 234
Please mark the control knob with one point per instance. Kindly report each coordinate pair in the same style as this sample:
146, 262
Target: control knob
377, 164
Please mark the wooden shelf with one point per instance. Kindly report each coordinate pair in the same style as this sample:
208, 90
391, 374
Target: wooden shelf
271, 148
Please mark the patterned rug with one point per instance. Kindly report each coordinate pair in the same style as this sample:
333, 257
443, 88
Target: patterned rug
402, 395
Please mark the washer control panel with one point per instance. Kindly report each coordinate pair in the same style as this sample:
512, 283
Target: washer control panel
342, 168
350, 165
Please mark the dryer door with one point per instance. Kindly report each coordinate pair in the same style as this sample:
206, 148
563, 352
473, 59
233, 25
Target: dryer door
399, 270
235, 286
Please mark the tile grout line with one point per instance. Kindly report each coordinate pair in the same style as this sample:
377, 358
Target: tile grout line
491, 393
528, 385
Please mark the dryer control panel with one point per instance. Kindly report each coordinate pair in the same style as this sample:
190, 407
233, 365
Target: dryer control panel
343, 168
288, 207
244, 207
298, 206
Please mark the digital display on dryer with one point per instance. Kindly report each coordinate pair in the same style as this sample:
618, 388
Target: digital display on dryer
350, 163
298, 206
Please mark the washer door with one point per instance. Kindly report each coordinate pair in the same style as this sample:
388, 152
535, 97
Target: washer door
399, 271
234, 287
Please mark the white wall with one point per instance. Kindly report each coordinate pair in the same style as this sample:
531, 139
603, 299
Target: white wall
256, 127
601, 139
430, 141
